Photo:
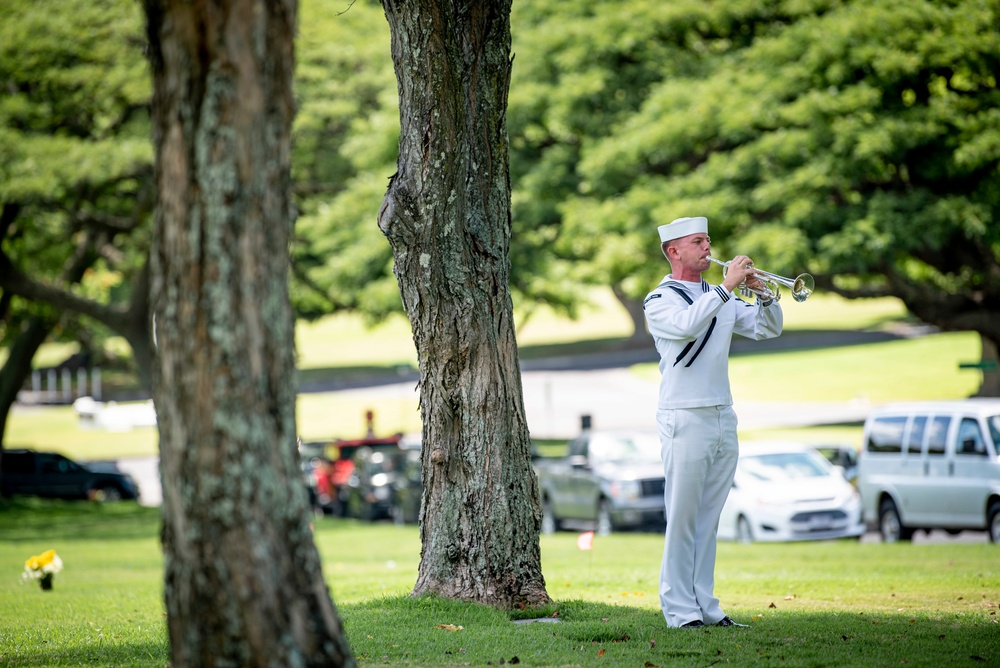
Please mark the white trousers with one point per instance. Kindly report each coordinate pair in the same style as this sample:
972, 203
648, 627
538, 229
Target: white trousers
699, 449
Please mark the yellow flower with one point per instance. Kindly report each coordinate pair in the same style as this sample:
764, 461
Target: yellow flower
46, 563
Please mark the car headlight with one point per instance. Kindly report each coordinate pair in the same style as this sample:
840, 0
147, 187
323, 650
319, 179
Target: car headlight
851, 496
626, 490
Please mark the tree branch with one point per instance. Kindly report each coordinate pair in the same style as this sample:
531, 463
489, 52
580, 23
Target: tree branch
13, 280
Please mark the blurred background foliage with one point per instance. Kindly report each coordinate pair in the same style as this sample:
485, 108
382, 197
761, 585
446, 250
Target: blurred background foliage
859, 141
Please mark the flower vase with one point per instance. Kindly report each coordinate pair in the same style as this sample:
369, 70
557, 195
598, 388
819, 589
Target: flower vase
46, 581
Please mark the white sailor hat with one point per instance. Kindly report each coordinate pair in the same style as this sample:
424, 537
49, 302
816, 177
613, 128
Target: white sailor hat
682, 227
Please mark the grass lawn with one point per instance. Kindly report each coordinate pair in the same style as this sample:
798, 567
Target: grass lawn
840, 603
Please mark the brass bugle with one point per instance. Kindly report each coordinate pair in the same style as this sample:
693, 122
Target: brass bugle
801, 286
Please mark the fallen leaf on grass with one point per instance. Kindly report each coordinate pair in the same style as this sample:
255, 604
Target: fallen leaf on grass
652, 643
772, 605
600, 653
790, 597
449, 627
650, 664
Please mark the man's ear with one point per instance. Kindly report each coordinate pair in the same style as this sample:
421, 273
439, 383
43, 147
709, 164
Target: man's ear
665, 247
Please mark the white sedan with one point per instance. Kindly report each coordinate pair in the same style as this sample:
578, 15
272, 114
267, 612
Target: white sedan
788, 491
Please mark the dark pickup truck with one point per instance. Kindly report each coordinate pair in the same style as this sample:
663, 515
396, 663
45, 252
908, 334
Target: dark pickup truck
52, 475
611, 480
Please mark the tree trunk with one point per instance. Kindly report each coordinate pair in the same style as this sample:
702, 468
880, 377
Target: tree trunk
17, 368
990, 386
636, 314
243, 584
447, 216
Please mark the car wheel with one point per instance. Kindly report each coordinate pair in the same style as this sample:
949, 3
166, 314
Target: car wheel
604, 523
549, 522
744, 533
890, 526
994, 522
106, 494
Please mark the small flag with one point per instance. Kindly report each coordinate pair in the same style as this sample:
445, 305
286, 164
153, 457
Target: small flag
585, 541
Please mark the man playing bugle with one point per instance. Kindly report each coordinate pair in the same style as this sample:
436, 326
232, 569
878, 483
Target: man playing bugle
692, 324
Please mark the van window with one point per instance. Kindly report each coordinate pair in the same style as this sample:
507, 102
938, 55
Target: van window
994, 423
937, 437
915, 439
970, 438
886, 434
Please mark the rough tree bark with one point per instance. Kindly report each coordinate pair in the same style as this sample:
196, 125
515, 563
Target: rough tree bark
447, 216
243, 584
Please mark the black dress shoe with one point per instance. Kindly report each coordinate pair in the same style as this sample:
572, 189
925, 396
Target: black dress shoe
694, 625
728, 621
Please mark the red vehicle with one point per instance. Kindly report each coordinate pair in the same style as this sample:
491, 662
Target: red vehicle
329, 465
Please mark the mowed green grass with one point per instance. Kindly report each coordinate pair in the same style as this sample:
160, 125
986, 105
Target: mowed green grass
340, 346
840, 603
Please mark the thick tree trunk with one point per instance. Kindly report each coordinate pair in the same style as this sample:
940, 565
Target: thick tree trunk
243, 584
447, 217
635, 313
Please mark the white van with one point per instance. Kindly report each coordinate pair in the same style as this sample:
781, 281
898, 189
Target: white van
932, 465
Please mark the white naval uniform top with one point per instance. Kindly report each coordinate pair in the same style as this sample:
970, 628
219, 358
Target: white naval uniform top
692, 325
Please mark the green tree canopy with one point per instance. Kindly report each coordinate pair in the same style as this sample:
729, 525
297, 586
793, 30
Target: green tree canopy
861, 141
346, 137
858, 141
75, 165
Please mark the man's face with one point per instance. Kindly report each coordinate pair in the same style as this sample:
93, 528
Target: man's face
691, 252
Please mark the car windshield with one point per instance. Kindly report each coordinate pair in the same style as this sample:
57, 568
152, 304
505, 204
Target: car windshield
636, 448
778, 466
